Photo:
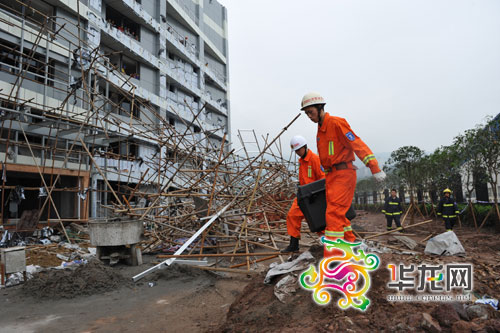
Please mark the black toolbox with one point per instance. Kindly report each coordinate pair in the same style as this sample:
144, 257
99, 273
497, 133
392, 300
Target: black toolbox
312, 202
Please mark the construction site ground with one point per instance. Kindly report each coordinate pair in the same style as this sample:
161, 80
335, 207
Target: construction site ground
182, 298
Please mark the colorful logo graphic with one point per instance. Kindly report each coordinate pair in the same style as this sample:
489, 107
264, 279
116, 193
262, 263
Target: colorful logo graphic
342, 273
436, 278
431, 278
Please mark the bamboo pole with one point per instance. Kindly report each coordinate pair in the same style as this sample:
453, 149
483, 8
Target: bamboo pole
473, 213
486, 218
216, 255
398, 229
100, 172
254, 261
227, 270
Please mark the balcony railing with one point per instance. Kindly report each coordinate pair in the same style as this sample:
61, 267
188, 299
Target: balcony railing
183, 43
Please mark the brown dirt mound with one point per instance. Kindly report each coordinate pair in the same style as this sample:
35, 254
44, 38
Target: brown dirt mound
258, 309
89, 279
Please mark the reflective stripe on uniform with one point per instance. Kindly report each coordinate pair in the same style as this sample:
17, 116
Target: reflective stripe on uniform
393, 203
368, 158
309, 171
447, 205
397, 213
330, 148
349, 228
337, 234
449, 216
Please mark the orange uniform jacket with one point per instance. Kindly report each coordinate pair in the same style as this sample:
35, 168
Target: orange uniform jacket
310, 169
337, 143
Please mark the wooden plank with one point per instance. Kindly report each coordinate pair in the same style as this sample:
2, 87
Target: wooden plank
48, 171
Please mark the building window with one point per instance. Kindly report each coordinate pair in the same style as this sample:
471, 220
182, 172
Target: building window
122, 105
124, 149
8, 56
116, 20
35, 12
34, 65
130, 67
125, 109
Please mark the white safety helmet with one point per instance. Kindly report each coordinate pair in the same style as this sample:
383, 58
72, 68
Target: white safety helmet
311, 98
297, 142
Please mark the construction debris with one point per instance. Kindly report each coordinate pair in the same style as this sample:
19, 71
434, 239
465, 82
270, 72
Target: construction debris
409, 242
89, 279
445, 244
301, 263
108, 153
285, 288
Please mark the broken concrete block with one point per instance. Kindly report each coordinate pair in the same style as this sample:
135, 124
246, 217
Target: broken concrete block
409, 242
445, 244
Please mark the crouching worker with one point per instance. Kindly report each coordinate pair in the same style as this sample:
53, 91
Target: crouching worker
309, 171
448, 209
392, 210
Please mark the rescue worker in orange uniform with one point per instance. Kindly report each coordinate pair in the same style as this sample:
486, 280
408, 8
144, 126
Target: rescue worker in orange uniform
337, 143
309, 171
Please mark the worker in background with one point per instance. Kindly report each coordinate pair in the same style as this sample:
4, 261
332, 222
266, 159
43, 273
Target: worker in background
309, 171
337, 143
447, 208
392, 210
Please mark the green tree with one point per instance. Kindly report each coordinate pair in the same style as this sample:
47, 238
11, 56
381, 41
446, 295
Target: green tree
441, 169
470, 162
488, 144
406, 163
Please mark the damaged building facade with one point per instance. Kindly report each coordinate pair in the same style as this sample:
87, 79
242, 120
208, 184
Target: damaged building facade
95, 94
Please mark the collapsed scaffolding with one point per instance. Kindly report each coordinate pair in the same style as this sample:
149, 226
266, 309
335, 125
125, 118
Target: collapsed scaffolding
176, 182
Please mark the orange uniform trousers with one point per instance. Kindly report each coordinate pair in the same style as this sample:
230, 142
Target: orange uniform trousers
294, 220
340, 186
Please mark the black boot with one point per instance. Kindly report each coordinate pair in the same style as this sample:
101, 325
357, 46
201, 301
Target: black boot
293, 246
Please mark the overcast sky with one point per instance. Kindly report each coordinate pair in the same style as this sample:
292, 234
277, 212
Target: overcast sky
402, 72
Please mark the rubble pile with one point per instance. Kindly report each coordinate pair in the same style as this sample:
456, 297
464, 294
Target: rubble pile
89, 279
286, 307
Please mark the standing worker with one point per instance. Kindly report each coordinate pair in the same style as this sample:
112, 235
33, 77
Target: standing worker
337, 144
309, 171
448, 209
392, 210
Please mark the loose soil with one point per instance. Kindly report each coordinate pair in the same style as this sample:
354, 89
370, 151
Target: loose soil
89, 279
258, 310
177, 299
183, 298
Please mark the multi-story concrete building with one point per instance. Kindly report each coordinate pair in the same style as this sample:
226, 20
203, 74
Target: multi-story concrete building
144, 64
